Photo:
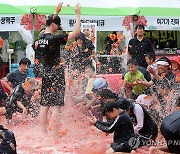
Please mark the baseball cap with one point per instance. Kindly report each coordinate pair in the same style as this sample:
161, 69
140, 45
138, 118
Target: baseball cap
54, 18
99, 83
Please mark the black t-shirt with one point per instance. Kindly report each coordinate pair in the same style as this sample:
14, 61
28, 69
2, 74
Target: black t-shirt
121, 126
49, 46
138, 49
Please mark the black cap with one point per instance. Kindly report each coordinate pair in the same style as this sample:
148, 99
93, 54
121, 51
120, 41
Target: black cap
54, 18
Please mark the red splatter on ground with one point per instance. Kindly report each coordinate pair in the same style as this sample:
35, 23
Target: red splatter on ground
75, 137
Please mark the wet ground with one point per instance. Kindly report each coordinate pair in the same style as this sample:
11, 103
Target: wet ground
75, 135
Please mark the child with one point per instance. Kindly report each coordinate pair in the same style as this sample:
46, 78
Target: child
18, 101
104, 96
145, 128
94, 104
131, 78
150, 60
121, 126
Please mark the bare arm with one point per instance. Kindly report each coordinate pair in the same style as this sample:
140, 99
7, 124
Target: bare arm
58, 8
153, 72
6, 84
77, 27
145, 83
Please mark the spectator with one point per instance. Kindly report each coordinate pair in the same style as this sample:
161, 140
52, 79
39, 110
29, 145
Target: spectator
139, 46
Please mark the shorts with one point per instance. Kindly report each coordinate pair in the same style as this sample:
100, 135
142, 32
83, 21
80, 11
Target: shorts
53, 87
121, 147
38, 70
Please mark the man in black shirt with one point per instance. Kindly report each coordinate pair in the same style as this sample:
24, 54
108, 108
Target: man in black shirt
139, 46
53, 79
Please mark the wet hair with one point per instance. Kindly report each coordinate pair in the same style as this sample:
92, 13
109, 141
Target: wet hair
25, 61
107, 94
108, 107
132, 62
150, 56
124, 103
139, 26
53, 18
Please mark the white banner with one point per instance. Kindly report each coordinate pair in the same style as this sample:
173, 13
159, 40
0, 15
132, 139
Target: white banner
10, 23
104, 23
162, 23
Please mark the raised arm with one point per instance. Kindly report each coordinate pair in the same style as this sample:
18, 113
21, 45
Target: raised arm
77, 27
58, 8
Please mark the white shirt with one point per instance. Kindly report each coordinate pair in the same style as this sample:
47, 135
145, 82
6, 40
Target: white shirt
138, 111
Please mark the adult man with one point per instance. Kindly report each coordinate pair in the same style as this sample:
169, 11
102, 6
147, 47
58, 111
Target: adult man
53, 80
139, 46
17, 76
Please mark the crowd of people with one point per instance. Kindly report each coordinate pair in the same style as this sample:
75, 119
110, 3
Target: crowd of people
147, 107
